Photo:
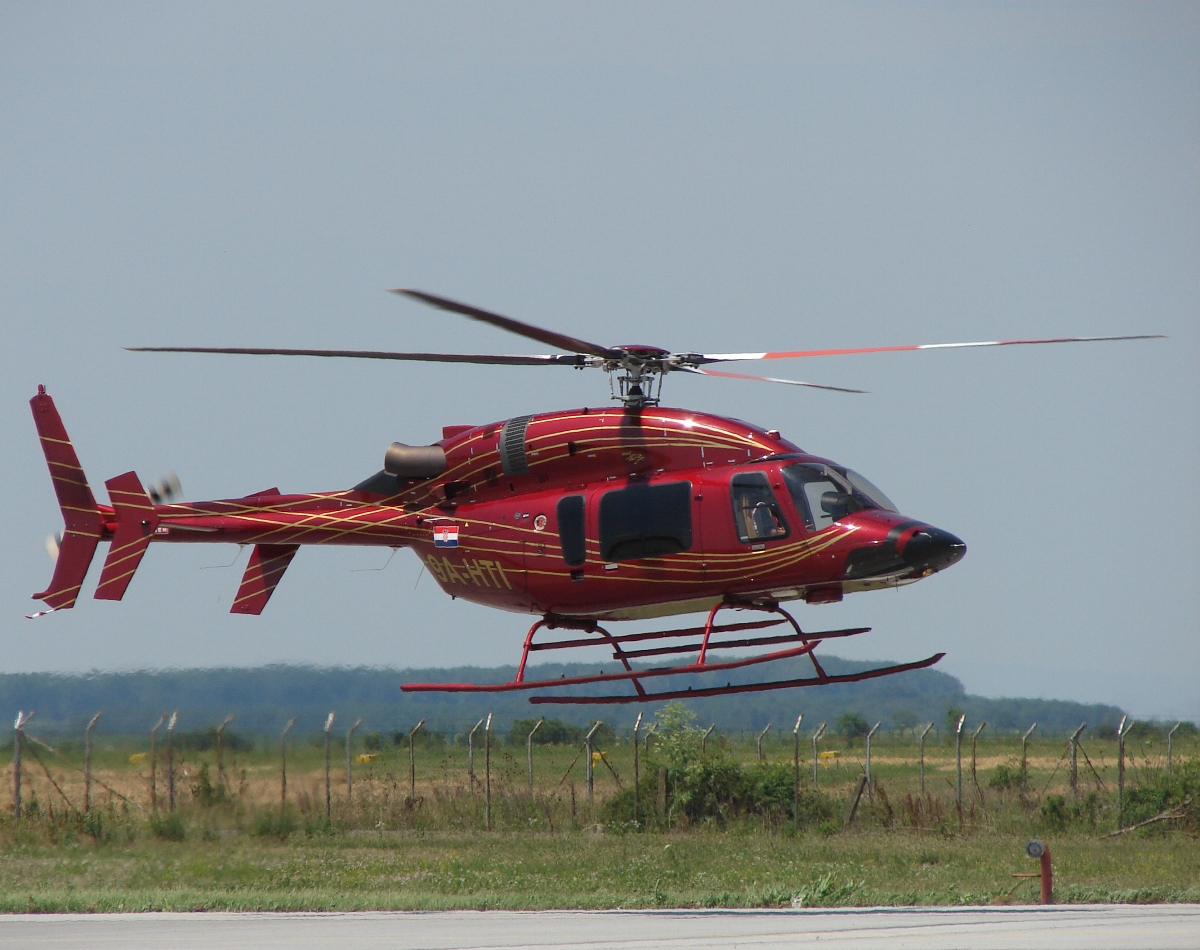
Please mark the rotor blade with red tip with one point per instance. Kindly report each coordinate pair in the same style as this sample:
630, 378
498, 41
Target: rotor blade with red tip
769, 379
549, 337
793, 354
485, 358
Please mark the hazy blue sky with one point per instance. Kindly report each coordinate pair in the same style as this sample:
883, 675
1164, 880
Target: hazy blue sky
696, 176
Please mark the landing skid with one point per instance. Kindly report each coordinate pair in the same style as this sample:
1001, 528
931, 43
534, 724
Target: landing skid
802, 644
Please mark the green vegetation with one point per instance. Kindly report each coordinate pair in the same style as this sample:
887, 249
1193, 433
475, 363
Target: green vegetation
710, 826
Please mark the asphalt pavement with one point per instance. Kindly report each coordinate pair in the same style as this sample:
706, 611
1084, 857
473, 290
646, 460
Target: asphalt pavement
1095, 927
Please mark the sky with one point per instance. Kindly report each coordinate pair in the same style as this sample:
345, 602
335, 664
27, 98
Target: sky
697, 176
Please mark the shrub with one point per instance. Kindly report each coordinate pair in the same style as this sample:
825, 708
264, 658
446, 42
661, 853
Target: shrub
1177, 793
1059, 814
168, 827
557, 732
274, 823
852, 726
204, 792
1009, 778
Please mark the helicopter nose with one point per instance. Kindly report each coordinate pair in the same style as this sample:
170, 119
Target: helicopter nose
932, 549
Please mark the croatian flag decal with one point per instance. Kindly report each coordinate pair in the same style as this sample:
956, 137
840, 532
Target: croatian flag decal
445, 536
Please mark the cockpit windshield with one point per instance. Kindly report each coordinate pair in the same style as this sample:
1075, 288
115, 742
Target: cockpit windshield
824, 493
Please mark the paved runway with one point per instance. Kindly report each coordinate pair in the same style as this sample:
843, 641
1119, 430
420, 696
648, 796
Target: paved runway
1156, 927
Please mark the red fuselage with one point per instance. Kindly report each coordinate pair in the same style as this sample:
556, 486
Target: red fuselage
606, 513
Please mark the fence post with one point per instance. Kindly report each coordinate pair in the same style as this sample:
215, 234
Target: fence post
958, 767
1074, 746
921, 746
1169, 735
1122, 731
412, 764
87, 764
221, 749
816, 737
471, 755
589, 772
328, 787
867, 769
154, 762
349, 777
758, 743
529, 751
637, 772
796, 768
1024, 740
171, 760
487, 772
18, 736
283, 762
975, 739
704, 738
649, 733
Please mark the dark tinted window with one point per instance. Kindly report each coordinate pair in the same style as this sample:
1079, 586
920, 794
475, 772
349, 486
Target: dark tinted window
755, 509
570, 529
646, 521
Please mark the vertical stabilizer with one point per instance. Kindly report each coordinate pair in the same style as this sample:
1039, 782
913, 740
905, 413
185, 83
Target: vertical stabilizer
83, 524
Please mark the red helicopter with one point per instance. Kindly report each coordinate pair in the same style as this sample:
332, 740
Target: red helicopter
580, 517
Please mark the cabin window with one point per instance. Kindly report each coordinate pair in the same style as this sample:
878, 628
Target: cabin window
756, 511
570, 529
646, 521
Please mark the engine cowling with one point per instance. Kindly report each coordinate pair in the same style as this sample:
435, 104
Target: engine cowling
414, 461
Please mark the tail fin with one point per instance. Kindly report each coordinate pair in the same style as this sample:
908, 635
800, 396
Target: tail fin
83, 522
136, 522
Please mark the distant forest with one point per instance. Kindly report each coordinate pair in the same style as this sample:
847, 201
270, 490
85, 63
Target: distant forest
263, 699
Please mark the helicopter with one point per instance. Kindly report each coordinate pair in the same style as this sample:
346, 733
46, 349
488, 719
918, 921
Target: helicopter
579, 517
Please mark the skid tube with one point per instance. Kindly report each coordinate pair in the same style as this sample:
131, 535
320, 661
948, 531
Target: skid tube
804, 644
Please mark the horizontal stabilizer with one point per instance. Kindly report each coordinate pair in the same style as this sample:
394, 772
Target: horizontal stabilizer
266, 567
136, 522
81, 517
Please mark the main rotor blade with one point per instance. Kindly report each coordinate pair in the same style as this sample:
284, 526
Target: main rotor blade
549, 337
768, 379
486, 358
794, 354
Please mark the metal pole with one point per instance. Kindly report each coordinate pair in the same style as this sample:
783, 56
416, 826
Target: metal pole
921, 746
637, 774
154, 762
958, 765
18, 736
283, 762
349, 775
487, 771
704, 738
529, 751
816, 737
87, 764
974, 739
1074, 746
1024, 740
471, 755
1169, 735
171, 760
412, 764
867, 768
589, 772
1122, 730
758, 743
220, 749
328, 795
796, 768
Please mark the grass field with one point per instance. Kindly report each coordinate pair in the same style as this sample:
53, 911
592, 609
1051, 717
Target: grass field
230, 846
